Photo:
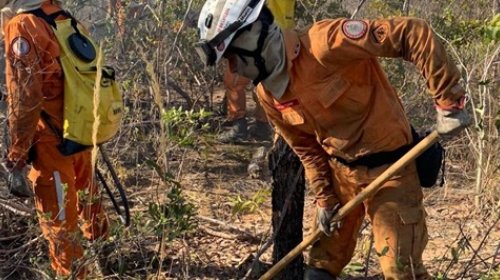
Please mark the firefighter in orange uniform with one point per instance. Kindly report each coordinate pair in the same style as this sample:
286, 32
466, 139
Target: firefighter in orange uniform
66, 196
328, 97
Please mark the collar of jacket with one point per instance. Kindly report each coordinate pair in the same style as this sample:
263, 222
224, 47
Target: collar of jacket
292, 46
50, 7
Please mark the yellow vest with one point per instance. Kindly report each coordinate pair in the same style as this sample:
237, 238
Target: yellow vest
283, 12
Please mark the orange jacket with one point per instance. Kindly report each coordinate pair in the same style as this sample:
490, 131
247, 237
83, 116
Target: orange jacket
339, 101
34, 81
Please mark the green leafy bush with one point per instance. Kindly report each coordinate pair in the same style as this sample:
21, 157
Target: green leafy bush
241, 205
174, 218
183, 126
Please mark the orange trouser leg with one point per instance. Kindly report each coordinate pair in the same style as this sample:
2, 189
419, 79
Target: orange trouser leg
397, 218
235, 94
60, 226
94, 223
399, 230
236, 97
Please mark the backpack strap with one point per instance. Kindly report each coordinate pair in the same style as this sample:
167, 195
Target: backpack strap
51, 19
45, 117
79, 44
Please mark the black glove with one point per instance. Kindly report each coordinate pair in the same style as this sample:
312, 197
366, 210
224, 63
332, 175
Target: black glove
16, 178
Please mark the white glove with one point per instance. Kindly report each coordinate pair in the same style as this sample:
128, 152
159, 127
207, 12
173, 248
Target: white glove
450, 123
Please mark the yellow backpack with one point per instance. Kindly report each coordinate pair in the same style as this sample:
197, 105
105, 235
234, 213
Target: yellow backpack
92, 114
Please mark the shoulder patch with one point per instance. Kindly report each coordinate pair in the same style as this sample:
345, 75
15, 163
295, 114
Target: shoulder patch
354, 29
20, 46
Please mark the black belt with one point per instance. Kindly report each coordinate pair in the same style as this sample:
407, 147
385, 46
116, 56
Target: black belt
377, 159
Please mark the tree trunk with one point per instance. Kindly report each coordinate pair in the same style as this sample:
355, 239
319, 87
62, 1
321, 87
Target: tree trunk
288, 206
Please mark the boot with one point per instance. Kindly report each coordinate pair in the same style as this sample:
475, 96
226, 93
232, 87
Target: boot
237, 132
313, 273
261, 131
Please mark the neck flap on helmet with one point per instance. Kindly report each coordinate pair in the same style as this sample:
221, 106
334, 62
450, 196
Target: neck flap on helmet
256, 54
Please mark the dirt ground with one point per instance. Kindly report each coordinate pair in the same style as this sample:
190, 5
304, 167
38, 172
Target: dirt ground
463, 243
451, 225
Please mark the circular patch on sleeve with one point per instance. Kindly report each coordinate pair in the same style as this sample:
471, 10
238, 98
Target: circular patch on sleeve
354, 29
20, 46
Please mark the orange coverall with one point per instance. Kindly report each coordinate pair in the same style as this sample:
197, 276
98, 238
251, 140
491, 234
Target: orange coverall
340, 104
34, 81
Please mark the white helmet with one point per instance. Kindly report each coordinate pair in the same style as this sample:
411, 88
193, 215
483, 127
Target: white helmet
20, 6
218, 23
